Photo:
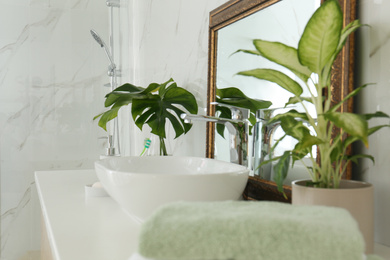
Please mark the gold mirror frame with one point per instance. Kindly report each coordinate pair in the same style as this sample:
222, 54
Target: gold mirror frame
342, 81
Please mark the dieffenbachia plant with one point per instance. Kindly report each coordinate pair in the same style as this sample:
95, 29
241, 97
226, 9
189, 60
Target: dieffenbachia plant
322, 40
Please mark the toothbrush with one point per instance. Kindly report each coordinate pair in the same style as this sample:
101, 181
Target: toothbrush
147, 143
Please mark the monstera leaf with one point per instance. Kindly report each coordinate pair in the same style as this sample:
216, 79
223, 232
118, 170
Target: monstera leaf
153, 105
167, 104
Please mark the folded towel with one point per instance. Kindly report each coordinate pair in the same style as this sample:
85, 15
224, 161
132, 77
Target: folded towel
137, 256
244, 230
371, 257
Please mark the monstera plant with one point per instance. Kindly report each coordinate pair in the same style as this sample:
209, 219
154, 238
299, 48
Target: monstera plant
153, 106
322, 40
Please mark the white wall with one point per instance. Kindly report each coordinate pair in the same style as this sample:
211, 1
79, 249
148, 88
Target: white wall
373, 66
51, 77
171, 40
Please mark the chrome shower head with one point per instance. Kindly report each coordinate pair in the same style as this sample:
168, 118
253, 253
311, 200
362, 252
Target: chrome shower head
99, 40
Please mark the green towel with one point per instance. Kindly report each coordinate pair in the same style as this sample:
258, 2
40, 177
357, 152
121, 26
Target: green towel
243, 230
374, 257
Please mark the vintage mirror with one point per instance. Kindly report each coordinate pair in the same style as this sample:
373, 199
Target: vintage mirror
233, 26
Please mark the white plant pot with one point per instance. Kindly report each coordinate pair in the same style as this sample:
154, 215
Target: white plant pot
355, 196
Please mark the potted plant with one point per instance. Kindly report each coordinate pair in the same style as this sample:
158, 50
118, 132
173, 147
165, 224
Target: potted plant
323, 38
153, 106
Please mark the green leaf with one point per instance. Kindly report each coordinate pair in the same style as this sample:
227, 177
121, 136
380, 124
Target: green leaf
155, 109
235, 97
283, 55
295, 100
224, 112
111, 98
127, 87
269, 161
125, 99
321, 36
254, 52
350, 28
355, 125
376, 128
375, 115
351, 94
292, 113
96, 117
157, 124
294, 128
152, 107
187, 127
277, 77
180, 96
164, 87
281, 170
177, 126
141, 112
351, 139
153, 87
307, 142
107, 116
354, 158
298, 154
336, 152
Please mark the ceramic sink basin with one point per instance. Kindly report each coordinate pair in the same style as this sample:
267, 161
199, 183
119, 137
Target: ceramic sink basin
141, 184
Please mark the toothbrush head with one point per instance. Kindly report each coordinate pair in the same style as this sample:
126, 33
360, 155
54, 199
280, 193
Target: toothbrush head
147, 142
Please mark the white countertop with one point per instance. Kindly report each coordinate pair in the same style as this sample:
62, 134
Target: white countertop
79, 227
91, 228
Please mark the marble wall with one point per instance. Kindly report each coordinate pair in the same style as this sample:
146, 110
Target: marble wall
51, 83
171, 40
51, 77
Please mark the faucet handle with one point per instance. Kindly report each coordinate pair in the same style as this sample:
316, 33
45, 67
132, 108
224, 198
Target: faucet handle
238, 113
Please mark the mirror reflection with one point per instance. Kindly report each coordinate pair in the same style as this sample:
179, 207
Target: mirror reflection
284, 22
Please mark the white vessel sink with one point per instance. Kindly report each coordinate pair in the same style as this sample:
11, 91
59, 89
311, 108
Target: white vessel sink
141, 184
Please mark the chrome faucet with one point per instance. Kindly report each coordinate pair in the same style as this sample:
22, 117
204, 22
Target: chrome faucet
264, 139
238, 131
262, 142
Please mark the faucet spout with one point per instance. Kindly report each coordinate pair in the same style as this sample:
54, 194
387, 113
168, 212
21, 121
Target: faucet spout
264, 139
238, 135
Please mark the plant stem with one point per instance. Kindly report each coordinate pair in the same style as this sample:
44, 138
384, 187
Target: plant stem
163, 148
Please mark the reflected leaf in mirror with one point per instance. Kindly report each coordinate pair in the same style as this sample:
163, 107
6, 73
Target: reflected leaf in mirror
235, 97
323, 38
